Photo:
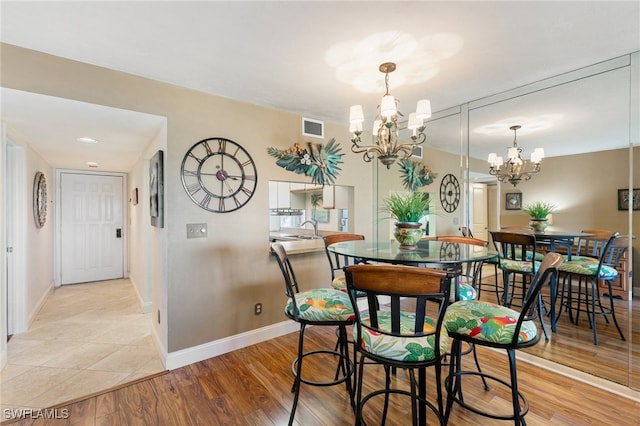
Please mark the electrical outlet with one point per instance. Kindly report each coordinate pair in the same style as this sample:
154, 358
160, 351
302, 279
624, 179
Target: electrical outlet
257, 309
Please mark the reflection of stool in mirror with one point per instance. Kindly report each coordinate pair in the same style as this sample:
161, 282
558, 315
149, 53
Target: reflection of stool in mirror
590, 271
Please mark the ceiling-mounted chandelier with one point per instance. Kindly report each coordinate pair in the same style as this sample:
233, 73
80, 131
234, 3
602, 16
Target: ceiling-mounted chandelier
385, 128
515, 169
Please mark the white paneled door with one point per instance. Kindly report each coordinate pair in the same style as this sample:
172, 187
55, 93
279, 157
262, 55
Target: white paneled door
91, 220
479, 226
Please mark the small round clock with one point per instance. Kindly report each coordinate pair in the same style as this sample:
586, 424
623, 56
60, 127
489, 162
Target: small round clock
449, 193
219, 175
39, 199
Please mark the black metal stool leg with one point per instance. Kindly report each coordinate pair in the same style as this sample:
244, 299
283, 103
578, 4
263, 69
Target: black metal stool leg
296, 380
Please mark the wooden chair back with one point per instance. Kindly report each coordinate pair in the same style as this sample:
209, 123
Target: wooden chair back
400, 284
593, 246
514, 245
337, 261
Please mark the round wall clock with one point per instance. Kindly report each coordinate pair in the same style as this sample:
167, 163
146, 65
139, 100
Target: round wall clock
219, 175
39, 199
450, 193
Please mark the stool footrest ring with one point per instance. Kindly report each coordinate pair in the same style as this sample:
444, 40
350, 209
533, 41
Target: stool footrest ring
341, 359
524, 406
428, 404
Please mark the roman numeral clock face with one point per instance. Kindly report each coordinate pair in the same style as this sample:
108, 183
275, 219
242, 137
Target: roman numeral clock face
219, 175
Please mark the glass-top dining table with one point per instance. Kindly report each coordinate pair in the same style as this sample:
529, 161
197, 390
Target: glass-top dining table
430, 253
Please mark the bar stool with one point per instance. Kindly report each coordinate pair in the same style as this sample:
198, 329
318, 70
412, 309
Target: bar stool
337, 261
590, 271
317, 307
517, 257
401, 335
496, 326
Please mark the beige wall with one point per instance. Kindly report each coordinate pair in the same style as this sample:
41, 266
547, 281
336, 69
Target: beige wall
206, 288
211, 284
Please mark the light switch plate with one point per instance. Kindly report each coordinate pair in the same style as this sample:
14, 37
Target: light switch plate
196, 230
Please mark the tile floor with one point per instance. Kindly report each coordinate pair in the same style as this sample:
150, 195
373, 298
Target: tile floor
86, 338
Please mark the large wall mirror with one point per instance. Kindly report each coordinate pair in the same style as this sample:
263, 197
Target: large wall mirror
582, 121
587, 123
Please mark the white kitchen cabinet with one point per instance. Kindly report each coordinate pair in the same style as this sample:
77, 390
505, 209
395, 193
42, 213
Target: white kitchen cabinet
328, 197
273, 194
335, 197
283, 195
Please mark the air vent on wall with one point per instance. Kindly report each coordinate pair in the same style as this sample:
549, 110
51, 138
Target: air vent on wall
313, 128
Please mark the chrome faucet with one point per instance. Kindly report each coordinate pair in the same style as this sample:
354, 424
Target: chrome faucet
314, 223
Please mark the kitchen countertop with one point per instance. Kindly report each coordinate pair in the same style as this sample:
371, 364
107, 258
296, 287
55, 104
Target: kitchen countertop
303, 246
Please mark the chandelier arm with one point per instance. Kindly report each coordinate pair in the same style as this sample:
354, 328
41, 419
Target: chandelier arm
388, 145
419, 138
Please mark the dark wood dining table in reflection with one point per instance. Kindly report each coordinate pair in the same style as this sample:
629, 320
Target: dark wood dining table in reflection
553, 240
430, 253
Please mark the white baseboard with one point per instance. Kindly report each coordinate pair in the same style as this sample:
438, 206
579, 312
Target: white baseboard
34, 312
145, 306
199, 353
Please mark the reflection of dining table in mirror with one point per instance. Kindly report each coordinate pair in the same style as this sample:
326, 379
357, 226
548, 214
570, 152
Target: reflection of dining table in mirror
552, 240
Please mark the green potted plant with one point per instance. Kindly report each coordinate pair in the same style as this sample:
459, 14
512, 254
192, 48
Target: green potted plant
407, 210
538, 212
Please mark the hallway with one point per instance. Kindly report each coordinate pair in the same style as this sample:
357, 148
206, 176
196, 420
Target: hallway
86, 338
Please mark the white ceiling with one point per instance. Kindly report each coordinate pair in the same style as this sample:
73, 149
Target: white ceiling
303, 57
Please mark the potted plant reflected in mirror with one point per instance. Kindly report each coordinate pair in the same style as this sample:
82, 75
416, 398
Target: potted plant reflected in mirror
539, 212
407, 210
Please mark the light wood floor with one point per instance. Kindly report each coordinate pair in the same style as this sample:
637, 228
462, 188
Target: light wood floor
198, 394
572, 344
251, 386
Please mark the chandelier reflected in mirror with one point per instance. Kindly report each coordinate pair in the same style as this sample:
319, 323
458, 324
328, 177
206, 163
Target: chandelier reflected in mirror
516, 169
387, 145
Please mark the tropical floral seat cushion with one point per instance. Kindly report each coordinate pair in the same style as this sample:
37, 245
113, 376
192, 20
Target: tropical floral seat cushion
322, 304
588, 266
340, 283
492, 260
518, 265
487, 322
409, 348
465, 292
